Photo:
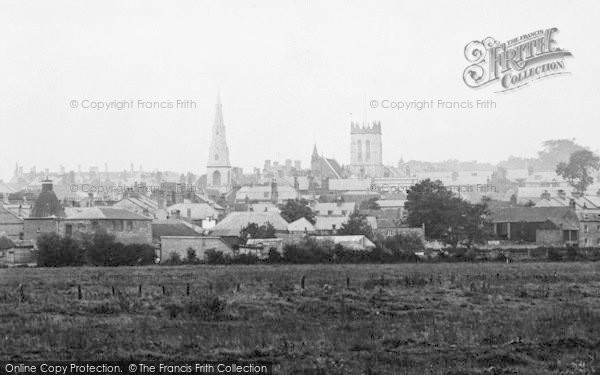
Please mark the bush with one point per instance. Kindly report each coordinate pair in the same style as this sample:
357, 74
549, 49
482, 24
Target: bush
274, 256
309, 250
54, 251
191, 256
173, 259
216, 257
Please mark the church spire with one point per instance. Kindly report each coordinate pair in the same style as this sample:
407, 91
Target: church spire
219, 152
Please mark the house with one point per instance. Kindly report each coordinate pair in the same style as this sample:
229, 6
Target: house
233, 223
126, 226
544, 226
261, 247
201, 214
139, 204
338, 208
274, 193
589, 228
11, 225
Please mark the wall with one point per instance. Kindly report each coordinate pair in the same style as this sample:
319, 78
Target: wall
180, 244
549, 237
12, 231
32, 228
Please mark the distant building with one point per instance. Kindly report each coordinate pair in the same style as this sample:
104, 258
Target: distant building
543, 226
218, 168
233, 223
11, 225
126, 226
322, 167
366, 150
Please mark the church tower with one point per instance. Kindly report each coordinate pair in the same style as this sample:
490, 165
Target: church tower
218, 168
366, 157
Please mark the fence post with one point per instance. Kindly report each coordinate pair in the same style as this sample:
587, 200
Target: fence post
79, 295
187, 289
140, 290
347, 282
113, 290
302, 282
164, 291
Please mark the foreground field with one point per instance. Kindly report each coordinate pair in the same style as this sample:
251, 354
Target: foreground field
529, 318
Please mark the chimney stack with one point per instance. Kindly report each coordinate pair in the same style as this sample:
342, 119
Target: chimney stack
572, 203
562, 194
546, 195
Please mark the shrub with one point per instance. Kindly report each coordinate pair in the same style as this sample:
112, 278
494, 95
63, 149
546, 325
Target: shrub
274, 256
213, 256
173, 259
54, 251
191, 256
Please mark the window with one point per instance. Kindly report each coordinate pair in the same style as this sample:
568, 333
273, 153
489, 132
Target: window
359, 150
585, 228
598, 241
118, 225
585, 241
129, 225
68, 230
216, 156
329, 212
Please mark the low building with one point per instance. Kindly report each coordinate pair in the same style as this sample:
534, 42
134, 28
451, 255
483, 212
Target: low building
351, 242
200, 244
301, 226
543, 226
233, 223
126, 226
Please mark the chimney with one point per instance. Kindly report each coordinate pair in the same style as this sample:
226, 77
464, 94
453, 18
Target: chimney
177, 214
572, 203
20, 212
47, 185
91, 198
546, 195
296, 184
339, 202
562, 194
274, 193
513, 200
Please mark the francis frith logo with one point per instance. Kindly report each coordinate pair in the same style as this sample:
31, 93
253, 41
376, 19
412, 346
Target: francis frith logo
514, 63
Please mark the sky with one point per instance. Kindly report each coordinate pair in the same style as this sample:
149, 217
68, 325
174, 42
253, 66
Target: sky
290, 74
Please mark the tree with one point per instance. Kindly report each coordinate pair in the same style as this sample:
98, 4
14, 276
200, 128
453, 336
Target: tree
577, 170
55, 251
446, 216
370, 204
253, 230
293, 210
357, 224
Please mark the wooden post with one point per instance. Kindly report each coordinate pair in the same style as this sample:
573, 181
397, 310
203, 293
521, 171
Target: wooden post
113, 290
187, 289
302, 281
347, 281
79, 295
140, 290
238, 287
164, 290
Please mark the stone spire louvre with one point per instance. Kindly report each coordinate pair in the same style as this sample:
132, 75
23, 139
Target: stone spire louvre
218, 152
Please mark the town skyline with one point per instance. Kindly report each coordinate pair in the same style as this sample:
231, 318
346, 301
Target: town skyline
295, 75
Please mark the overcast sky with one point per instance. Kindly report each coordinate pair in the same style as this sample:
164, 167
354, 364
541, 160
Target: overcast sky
290, 73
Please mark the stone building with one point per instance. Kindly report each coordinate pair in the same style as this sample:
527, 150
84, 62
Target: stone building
218, 168
126, 226
366, 150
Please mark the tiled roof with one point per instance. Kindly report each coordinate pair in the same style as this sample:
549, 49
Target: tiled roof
235, 221
171, 228
301, 225
198, 211
100, 213
7, 217
327, 222
558, 215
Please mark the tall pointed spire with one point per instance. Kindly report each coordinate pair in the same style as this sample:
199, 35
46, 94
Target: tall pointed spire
218, 168
219, 152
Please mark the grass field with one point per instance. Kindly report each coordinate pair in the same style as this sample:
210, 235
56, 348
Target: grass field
529, 318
